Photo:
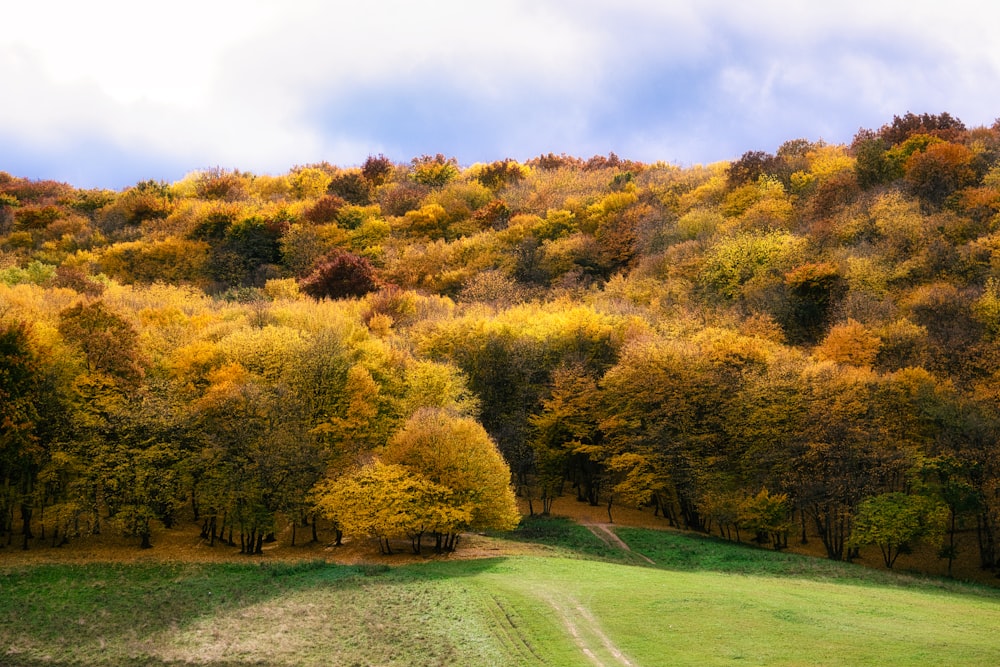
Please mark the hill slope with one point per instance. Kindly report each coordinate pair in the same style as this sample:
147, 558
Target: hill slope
703, 603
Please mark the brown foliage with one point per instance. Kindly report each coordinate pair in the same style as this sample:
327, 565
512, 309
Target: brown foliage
326, 209
340, 274
937, 172
350, 186
377, 170
944, 126
551, 161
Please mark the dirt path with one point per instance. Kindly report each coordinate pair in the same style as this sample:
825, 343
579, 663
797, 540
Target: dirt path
603, 531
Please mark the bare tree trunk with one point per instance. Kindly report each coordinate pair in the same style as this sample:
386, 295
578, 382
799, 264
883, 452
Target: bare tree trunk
26, 525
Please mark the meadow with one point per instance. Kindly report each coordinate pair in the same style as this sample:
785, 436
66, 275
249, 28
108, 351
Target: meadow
571, 599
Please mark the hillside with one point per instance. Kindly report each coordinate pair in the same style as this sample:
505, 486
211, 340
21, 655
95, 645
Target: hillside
689, 601
801, 342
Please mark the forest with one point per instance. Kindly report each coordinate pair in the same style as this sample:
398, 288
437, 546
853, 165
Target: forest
791, 343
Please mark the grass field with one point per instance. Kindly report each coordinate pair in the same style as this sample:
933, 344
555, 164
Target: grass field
704, 602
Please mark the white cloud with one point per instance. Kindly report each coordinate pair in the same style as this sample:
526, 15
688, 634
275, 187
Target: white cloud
265, 84
134, 51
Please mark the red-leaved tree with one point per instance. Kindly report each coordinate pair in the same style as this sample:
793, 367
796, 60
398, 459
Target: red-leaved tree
340, 274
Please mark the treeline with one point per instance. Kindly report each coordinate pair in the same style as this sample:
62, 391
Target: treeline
794, 343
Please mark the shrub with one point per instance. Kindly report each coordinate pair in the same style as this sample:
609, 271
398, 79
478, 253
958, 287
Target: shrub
340, 274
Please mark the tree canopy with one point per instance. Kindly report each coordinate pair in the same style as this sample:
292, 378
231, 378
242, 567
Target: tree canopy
793, 341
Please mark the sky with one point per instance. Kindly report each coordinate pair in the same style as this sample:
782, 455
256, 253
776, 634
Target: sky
107, 93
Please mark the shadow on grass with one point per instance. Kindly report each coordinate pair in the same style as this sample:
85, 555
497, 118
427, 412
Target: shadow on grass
50, 611
145, 661
67, 614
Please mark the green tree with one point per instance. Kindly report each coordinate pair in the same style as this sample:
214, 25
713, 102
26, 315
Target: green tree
872, 166
895, 521
21, 454
567, 440
767, 516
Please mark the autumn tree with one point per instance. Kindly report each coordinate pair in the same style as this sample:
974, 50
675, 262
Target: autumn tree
654, 400
433, 170
767, 516
219, 183
351, 186
340, 274
389, 502
942, 125
500, 174
310, 182
457, 454
840, 454
146, 200
377, 170
141, 471
850, 343
566, 439
170, 260
937, 172
748, 260
751, 166
325, 209
122, 433
258, 456
813, 291
109, 343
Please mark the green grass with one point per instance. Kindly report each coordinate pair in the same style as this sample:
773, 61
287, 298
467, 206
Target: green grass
704, 603
566, 538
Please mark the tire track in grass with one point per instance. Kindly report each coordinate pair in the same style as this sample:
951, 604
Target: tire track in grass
595, 627
508, 633
586, 632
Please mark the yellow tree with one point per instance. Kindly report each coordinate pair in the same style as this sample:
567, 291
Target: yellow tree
387, 502
456, 453
309, 182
